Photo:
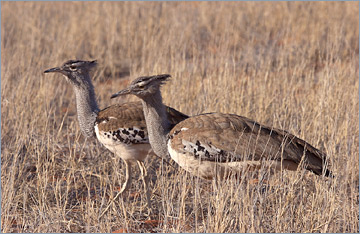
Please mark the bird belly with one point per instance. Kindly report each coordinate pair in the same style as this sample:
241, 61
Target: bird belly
128, 152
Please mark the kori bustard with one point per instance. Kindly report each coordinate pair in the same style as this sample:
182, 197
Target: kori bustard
120, 128
216, 144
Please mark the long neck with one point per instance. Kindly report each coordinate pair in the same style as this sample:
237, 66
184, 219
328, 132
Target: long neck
158, 125
87, 108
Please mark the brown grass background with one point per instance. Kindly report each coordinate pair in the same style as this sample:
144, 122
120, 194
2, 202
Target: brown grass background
292, 65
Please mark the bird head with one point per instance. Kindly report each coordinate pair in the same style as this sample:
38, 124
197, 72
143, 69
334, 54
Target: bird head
75, 71
144, 86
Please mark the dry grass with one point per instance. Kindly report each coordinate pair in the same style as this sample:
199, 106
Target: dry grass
292, 65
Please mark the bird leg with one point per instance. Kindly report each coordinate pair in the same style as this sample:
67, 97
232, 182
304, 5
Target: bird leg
145, 179
128, 177
124, 187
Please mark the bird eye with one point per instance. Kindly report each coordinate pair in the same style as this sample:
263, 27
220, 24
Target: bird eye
141, 85
73, 68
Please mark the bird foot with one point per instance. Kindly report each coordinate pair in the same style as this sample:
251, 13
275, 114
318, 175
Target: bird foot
257, 181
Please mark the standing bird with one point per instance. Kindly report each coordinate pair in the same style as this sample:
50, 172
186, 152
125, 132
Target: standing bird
216, 144
120, 128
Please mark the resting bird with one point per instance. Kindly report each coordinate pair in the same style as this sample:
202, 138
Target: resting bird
217, 145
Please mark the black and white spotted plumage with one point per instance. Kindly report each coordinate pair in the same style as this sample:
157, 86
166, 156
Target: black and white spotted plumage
205, 151
128, 136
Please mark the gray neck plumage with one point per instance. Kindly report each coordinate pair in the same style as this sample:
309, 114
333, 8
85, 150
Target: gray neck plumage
158, 125
87, 108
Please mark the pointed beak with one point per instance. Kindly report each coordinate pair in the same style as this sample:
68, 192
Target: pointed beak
121, 93
55, 69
